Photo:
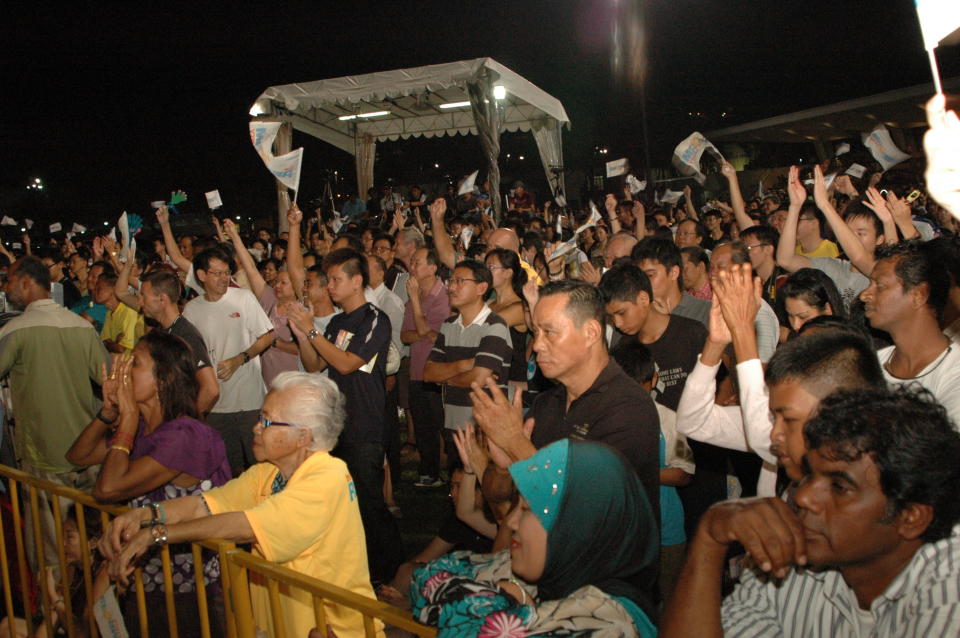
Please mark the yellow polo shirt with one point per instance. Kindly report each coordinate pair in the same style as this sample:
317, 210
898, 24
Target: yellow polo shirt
826, 249
313, 526
123, 320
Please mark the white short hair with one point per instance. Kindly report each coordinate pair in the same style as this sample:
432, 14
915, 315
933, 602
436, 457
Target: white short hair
317, 406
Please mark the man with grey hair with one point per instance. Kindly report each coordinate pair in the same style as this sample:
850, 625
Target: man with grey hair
297, 505
594, 399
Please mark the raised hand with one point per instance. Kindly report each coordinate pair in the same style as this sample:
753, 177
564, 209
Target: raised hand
725, 167
230, 228
610, 203
738, 293
438, 209
531, 292
798, 194
126, 401
475, 459
719, 333
878, 204
501, 421
163, 215
294, 215
820, 195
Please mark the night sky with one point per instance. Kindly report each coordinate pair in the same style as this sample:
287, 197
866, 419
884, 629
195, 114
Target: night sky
115, 106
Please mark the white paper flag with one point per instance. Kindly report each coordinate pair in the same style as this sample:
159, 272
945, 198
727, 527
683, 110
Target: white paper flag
70, 235
77, 228
109, 618
286, 168
113, 233
636, 185
262, 135
939, 19
671, 197
560, 200
55, 227
618, 167
882, 148
466, 235
466, 186
592, 221
157, 204
689, 153
8, 221
562, 249
842, 149
760, 192
17, 245
559, 228
856, 170
213, 200
337, 223
124, 227
28, 223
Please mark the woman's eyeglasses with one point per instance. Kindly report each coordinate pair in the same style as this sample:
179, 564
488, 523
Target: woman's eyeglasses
269, 423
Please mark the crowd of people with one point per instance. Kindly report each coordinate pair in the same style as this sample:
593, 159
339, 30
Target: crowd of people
737, 418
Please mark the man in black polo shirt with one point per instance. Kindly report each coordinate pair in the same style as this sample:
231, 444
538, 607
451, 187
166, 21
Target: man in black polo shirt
594, 399
353, 350
159, 294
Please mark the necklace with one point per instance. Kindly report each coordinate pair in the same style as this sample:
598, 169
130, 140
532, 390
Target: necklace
940, 359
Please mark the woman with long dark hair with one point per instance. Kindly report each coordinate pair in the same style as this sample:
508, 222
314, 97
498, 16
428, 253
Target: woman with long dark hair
806, 294
509, 278
152, 447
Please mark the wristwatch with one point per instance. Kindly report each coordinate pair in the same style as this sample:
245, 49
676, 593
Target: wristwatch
313, 333
246, 356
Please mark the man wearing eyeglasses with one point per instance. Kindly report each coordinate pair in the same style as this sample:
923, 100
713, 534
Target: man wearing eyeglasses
471, 347
761, 243
236, 330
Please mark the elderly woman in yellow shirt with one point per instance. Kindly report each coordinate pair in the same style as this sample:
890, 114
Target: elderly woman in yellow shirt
298, 506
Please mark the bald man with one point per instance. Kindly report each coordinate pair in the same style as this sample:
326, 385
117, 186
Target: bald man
620, 245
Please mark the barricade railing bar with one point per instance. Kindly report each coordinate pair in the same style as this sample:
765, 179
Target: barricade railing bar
236, 566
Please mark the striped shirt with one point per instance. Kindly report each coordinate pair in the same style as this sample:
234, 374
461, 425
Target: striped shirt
923, 600
487, 341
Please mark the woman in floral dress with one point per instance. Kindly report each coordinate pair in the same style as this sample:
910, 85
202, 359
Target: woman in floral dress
582, 533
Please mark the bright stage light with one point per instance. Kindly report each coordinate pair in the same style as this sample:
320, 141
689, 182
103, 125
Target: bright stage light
455, 105
499, 92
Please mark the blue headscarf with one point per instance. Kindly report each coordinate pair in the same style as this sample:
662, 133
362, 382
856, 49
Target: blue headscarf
600, 527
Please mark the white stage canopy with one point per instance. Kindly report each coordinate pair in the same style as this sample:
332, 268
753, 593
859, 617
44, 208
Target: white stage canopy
477, 96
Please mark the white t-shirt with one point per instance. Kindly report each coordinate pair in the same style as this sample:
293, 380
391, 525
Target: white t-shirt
230, 326
941, 377
390, 303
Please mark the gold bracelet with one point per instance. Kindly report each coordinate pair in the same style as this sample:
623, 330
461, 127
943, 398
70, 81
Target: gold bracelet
122, 448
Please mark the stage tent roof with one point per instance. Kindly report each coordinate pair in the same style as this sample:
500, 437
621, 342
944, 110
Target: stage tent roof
411, 102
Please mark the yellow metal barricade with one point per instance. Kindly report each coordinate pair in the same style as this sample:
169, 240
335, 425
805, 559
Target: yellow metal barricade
235, 566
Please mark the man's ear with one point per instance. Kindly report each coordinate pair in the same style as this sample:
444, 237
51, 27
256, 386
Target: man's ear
643, 299
913, 520
593, 331
201, 275
920, 294
674, 273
